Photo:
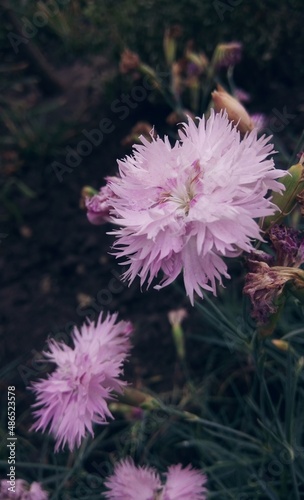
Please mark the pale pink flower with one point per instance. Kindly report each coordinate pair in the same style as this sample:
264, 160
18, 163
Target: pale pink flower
129, 482
98, 207
22, 491
184, 208
75, 395
182, 484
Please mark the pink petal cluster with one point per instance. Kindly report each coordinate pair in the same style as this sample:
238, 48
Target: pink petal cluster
129, 482
22, 491
98, 208
184, 208
75, 395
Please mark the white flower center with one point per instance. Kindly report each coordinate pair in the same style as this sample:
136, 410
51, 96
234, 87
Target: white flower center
182, 192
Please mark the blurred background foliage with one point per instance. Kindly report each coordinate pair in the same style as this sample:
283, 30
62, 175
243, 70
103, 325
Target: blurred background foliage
80, 44
236, 382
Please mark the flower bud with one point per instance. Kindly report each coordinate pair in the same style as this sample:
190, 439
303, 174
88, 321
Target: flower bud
280, 344
197, 63
171, 34
175, 319
129, 61
227, 54
137, 398
98, 206
294, 184
236, 112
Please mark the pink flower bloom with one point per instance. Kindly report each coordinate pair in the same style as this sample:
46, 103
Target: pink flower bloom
98, 207
23, 491
184, 484
184, 208
75, 395
129, 482
132, 483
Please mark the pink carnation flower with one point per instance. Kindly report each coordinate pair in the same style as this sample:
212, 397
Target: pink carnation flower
129, 482
22, 491
75, 395
132, 483
184, 208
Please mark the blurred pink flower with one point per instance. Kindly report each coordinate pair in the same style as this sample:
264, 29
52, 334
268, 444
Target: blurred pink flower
98, 207
184, 208
184, 484
129, 482
23, 491
75, 395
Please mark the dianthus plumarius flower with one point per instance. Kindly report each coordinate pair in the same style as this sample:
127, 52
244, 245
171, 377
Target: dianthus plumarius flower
129, 482
182, 208
75, 394
22, 491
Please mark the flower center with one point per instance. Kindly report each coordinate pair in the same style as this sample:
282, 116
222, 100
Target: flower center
182, 193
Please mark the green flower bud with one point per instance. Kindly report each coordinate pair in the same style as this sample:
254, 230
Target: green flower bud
294, 184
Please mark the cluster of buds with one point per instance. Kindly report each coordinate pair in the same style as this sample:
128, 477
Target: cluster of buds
193, 73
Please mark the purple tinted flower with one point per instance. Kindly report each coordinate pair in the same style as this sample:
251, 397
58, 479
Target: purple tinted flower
75, 395
228, 54
184, 208
129, 482
22, 491
98, 206
288, 244
264, 285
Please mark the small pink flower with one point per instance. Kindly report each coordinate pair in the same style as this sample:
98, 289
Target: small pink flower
98, 206
75, 395
129, 482
22, 491
184, 208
